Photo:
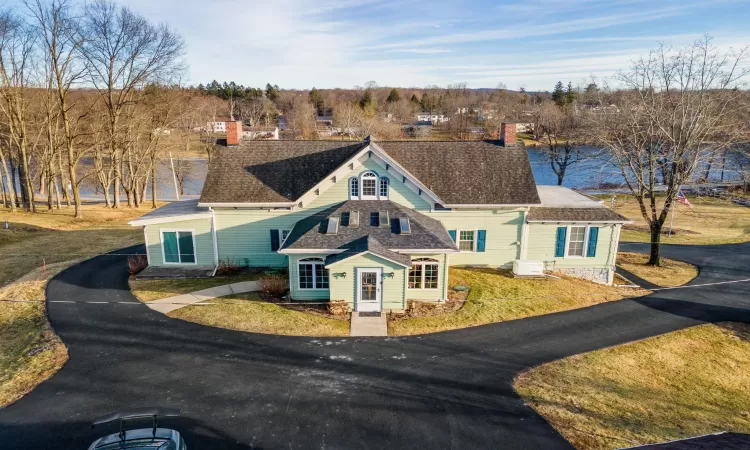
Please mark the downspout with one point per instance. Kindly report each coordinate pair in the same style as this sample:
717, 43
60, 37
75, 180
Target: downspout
524, 252
445, 276
213, 238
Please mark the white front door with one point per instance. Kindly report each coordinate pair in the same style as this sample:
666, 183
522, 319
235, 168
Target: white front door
369, 291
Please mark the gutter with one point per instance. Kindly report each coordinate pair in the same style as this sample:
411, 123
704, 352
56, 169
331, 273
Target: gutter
249, 205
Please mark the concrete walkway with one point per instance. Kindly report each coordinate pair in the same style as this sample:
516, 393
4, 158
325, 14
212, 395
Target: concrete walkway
169, 304
368, 326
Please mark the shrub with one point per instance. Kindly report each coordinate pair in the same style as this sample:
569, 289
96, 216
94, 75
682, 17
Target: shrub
273, 285
339, 307
228, 266
137, 263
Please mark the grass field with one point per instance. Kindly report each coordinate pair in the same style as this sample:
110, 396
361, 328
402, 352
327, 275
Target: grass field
30, 352
687, 383
710, 221
247, 312
496, 296
150, 290
671, 273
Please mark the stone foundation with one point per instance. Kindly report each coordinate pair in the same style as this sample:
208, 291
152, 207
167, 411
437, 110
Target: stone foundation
599, 275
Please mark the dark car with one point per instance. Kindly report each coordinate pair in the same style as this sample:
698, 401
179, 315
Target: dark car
153, 438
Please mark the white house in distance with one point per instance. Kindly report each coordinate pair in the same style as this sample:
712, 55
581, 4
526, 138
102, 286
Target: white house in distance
432, 117
260, 132
218, 125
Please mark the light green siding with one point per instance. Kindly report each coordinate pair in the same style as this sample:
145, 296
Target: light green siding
504, 228
543, 237
345, 287
305, 294
430, 294
201, 228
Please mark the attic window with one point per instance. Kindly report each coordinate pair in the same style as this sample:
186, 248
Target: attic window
404, 225
383, 219
333, 225
354, 219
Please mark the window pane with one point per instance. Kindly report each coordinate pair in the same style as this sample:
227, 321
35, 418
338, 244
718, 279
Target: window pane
187, 252
284, 234
368, 187
321, 277
575, 243
171, 253
354, 187
415, 277
430, 276
305, 276
384, 187
466, 240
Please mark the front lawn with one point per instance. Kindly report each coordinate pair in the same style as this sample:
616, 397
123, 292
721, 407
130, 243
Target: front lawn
247, 312
710, 221
150, 290
687, 383
496, 296
671, 273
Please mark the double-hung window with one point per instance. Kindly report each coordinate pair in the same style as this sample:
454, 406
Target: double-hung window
369, 186
576, 241
312, 274
353, 188
178, 247
283, 234
424, 274
466, 240
383, 188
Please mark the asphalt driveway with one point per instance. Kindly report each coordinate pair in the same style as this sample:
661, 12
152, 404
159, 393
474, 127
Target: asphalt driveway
243, 390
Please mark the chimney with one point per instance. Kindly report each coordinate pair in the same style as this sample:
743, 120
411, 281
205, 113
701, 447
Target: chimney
234, 133
508, 134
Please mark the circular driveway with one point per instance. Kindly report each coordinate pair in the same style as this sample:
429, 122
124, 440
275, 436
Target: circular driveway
244, 390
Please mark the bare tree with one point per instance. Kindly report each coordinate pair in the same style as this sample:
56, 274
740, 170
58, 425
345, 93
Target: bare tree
677, 110
124, 53
560, 129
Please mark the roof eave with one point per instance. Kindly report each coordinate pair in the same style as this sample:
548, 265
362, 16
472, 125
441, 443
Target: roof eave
248, 205
167, 219
489, 205
370, 253
624, 222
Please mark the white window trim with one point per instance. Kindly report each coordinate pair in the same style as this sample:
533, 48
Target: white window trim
387, 188
474, 244
351, 180
422, 276
283, 239
164, 254
585, 242
362, 195
314, 262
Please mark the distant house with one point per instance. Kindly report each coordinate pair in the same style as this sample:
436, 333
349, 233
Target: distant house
527, 127
260, 132
419, 129
432, 117
324, 126
218, 125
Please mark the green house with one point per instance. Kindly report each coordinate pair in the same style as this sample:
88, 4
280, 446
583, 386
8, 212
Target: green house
378, 223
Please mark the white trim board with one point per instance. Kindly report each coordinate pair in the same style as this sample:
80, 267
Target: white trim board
168, 219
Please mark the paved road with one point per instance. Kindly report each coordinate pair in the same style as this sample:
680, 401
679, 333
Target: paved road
242, 390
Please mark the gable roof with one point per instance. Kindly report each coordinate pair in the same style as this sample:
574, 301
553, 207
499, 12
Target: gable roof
426, 232
272, 171
368, 244
468, 172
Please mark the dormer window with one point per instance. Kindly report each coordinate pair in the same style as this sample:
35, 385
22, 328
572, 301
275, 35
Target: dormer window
369, 186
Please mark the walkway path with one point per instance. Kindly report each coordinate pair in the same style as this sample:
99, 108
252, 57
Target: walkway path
368, 324
242, 390
169, 304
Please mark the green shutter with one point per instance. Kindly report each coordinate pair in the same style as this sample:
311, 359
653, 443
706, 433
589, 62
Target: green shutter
453, 234
481, 237
274, 240
187, 252
593, 237
560, 245
169, 241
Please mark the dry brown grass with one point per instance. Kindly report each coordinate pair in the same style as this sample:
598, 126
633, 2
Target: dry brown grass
710, 221
671, 273
247, 312
30, 352
687, 383
496, 296
150, 290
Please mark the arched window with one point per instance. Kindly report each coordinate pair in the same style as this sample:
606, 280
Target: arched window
384, 188
312, 274
424, 273
369, 186
353, 188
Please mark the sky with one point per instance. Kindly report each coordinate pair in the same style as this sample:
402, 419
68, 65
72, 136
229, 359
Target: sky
346, 43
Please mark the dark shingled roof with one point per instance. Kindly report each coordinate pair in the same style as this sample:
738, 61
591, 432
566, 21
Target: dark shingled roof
272, 171
369, 244
723, 441
468, 172
426, 233
539, 214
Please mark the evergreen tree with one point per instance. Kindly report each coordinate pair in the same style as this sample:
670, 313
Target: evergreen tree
366, 100
570, 94
393, 97
426, 102
272, 92
558, 95
316, 99
414, 99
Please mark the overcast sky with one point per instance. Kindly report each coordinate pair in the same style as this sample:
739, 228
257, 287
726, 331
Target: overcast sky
343, 43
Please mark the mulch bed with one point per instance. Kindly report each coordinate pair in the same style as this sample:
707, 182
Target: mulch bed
416, 308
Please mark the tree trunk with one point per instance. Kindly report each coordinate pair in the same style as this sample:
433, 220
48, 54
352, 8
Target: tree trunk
153, 185
655, 255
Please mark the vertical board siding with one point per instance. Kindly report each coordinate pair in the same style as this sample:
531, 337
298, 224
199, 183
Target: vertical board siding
429, 294
345, 288
543, 239
305, 294
204, 246
503, 233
